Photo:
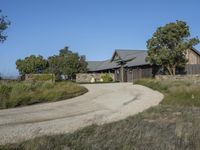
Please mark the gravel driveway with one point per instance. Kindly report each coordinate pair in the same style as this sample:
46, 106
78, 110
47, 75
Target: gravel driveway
102, 104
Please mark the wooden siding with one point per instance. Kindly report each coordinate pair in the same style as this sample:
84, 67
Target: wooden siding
192, 69
193, 57
138, 73
117, 75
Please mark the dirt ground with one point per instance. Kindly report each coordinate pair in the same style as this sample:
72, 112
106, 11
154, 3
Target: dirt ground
102, 104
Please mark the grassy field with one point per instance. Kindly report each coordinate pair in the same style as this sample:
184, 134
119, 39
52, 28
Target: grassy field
173, 125
159, 128
176, 92
14, 94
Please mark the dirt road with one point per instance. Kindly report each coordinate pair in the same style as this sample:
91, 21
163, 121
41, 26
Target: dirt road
103, 103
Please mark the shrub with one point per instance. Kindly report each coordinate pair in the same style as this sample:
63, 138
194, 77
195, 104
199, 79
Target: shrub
47, 85
5, 90
107, 78
4, 94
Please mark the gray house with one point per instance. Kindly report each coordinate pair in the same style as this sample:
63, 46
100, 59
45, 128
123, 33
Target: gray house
129, 65
126, 65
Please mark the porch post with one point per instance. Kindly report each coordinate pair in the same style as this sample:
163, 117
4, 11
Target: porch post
122, 73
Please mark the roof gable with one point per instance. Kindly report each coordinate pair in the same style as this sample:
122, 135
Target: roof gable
126, 55
130, 57
195, 50
116, 56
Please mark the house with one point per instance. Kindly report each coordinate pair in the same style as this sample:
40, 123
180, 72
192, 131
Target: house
192, 56
128, 65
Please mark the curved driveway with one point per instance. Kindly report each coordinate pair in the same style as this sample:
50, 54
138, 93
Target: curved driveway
103, 103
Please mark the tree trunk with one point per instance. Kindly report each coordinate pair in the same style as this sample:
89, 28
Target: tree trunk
169, 70
174, 70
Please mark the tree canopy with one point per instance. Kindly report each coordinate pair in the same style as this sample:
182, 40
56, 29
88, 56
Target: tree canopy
4, 23
67, 63
32, 64
168, 46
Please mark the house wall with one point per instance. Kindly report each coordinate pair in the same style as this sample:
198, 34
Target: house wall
192, 69
117, 74
139, 72
193, 57
121, 74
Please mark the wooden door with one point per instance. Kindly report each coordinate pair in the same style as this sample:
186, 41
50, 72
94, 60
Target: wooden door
125, 75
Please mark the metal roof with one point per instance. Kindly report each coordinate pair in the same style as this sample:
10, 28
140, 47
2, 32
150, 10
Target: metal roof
125, 54
108, 65
93, 65
138, 59
195, 50
132, 57
101, 65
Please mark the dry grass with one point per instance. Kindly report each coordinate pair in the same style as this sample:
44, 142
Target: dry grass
162, 127
177, 92
175, 126
13, 94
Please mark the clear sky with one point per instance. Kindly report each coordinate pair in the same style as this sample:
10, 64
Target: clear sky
94, 28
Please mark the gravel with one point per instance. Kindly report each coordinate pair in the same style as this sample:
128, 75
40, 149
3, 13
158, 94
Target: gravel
103, 103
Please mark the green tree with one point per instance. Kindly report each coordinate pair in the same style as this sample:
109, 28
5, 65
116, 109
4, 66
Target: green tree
54, 66
32, 64
67, 64
4, 23
167, 48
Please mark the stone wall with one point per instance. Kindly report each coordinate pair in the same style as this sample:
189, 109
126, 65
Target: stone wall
90, 77
195, 77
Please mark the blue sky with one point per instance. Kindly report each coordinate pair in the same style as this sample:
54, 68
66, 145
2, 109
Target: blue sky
94, 28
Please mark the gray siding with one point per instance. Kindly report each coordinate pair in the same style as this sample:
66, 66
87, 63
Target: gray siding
192, 69
138, 73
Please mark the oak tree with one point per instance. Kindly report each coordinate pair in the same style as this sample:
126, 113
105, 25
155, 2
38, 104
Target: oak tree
32, 64
168, 46
67, 63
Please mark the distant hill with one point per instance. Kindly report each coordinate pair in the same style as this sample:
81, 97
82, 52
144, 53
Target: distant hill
9, 77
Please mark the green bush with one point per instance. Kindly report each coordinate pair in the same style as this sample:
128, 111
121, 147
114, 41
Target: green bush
4, 94
5, 90
107, 78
